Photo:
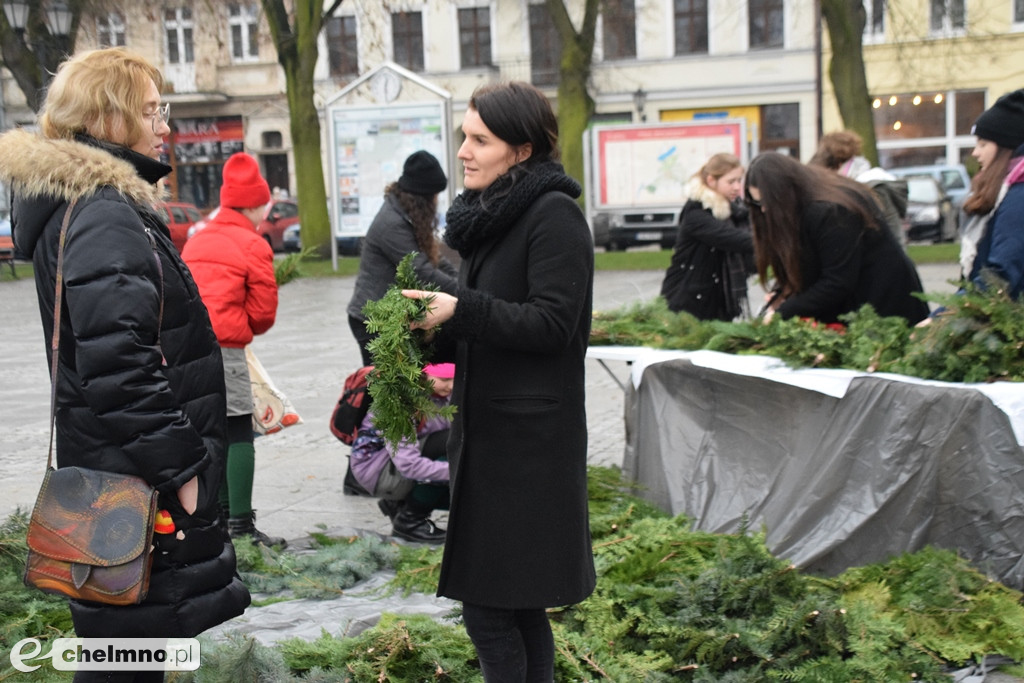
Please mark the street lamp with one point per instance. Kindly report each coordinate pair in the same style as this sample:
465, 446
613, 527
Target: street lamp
639, 99
17, 14
58, 18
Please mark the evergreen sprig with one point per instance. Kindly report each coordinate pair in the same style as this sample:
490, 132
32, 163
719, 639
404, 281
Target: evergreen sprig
401, 392
978, 338
25, 612
671, 604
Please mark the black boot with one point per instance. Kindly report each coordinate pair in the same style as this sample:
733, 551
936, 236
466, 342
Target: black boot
390, 508
416, 525
246, 526
223, 514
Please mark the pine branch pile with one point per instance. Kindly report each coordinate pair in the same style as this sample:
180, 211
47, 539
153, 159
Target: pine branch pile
671, 604
334, 566
24, 612
401, 392
979, 338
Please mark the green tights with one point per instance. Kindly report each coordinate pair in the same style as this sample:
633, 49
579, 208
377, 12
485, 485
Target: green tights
236, 489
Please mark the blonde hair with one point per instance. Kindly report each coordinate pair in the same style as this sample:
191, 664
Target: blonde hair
717, 166
97, 92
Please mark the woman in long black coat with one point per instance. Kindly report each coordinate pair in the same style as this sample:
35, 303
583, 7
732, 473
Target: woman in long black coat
714, 251
140, 384
823, 239
518, 535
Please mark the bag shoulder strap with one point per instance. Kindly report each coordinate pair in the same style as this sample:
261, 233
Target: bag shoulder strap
55, 339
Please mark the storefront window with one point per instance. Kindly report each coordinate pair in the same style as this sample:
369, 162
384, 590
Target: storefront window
911, 156
780, 128
199, 148
925, 128
910, 115
969, 106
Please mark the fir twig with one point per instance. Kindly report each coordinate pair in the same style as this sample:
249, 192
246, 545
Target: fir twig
401, 392
979, 337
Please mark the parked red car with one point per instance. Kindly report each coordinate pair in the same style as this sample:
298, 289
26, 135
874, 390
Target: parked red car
179, 217
280, 214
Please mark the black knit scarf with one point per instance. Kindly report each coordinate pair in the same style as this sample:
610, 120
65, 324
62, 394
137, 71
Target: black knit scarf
478, 216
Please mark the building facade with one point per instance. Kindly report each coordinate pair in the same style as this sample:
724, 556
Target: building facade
932, 68
655, 61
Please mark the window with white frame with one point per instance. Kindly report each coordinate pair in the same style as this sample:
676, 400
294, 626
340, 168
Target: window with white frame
545, 46
342, 46
1018, 11
766, 23
874, 27
178, 29
244, 23
110, 29
948, 16
618, 29
407, 39
475, 36
691, 26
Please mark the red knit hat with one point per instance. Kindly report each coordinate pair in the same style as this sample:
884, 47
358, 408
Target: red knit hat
244, 187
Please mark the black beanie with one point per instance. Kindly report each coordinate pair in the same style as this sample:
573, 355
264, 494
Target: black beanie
1003, 122
422, 174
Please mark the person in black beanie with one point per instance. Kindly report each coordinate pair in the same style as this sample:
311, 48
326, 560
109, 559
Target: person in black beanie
407, 222
992, 240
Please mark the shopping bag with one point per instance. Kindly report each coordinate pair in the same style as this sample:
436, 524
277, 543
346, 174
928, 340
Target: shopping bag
271, 409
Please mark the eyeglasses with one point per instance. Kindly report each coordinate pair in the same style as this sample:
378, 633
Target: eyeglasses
161, 115
753, 203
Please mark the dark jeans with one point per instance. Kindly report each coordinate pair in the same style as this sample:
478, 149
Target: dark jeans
363, 337
513, 645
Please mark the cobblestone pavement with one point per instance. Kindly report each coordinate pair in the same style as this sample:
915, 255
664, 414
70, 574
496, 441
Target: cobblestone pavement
308, 353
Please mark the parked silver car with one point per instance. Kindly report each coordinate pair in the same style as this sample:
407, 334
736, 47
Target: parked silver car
953, 178
930, 211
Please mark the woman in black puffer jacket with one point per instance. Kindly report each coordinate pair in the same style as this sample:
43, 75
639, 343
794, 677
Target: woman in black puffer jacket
714, 251
140, 386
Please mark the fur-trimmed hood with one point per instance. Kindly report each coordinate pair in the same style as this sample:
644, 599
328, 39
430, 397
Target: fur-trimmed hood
43, 174
718, 205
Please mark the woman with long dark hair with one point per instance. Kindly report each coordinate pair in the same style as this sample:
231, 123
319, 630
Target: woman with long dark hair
406, 222
820, 237
518, 537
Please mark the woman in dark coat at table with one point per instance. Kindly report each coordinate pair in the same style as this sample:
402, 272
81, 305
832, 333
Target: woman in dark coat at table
518, 536
823, 239
714, 251
140, 386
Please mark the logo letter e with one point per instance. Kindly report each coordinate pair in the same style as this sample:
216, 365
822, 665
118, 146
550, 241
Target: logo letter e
17, 656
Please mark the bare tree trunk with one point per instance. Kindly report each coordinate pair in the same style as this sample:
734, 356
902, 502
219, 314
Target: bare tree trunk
575, 105
845, 20
297, 53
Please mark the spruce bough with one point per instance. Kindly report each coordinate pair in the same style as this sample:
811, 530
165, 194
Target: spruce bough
401, 392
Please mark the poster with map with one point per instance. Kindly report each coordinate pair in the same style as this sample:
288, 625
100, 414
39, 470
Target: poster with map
645, 166
368, 148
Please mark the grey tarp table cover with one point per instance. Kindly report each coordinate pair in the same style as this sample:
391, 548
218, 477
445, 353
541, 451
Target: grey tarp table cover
839, 468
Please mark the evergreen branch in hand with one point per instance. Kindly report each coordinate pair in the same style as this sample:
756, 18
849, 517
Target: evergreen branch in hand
401, 392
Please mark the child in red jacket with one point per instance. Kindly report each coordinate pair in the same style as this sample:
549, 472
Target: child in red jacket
234, 269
